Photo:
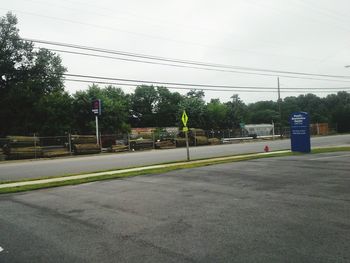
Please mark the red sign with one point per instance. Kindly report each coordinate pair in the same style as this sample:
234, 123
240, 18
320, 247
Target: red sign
96, 107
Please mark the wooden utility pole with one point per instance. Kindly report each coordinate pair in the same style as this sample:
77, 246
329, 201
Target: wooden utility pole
279, 104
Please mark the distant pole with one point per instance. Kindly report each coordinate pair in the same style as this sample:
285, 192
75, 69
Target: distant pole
273, 130
97, 110
187, 146
195, 138
100, 141
97, 139
279, 104
34, 146
129, 142
70, 143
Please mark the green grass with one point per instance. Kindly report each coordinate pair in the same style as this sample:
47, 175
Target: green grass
331, 149
158, 170
122, 168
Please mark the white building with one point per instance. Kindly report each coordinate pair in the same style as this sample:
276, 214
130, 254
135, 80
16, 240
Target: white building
259, 129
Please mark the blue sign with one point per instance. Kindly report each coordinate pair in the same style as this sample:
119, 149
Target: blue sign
300, 132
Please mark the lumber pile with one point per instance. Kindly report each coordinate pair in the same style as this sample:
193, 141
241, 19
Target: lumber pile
166, 144
22, 147
2, 155
214, 141
141, 143
196, 132
58, 151
119, 148
85, 144
22, 141
14, 153
146, 135
83, 139
86, 148
180, 142
201, 140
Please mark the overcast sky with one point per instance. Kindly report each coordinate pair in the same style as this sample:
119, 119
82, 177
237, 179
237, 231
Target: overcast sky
301, 35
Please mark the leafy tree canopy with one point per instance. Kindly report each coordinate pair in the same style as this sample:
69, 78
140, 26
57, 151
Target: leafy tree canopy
27, 75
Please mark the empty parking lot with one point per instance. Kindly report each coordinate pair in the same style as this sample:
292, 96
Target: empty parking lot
293, 209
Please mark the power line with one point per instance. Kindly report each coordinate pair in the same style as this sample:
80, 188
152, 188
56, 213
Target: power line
187, 88
136, 82
281, 73
163, 82
169, 87
183, 66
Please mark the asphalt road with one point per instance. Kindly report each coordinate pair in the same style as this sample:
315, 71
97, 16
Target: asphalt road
287, 209
42, 168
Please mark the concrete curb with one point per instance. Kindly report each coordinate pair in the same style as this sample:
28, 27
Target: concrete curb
137, 169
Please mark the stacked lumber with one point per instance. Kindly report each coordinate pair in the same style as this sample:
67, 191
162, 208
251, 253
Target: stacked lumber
85, 144
58, 151
86, 148
14, 153
141, 143
146, 135
22, 147
180, 142
214, 141
166, 144
119, 148
2, 155
197, 132
83, 139
201, 140
22, 141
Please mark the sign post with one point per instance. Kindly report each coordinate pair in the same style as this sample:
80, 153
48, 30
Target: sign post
300, 132
96, 109
184, 119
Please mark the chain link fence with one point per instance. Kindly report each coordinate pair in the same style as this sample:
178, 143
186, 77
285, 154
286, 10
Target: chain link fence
34, 147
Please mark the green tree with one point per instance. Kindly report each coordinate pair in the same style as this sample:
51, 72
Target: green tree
143, 102
54, 113
167, 107
237, 111
217, 115
263, 112
315, 106
194, 105
115, 110
338, 107
26, 77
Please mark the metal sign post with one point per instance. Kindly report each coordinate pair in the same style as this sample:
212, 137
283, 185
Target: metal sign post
96, 109
97, 139
184, 119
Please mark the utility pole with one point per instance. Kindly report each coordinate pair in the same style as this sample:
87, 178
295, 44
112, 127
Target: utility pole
97, 137
96, 109
279, 104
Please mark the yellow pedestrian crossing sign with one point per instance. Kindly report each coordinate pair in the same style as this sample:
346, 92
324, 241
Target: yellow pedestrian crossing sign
184, 118
185, 129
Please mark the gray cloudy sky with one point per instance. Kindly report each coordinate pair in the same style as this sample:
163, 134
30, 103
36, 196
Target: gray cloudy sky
299, 35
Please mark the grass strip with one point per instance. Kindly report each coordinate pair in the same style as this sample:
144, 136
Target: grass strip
130, 167
171, 167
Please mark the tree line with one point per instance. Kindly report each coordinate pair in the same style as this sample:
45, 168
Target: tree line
33, 99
